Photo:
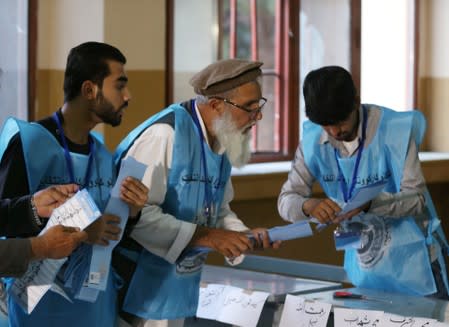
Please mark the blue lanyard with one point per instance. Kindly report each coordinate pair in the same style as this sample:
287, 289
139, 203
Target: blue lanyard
343, 185
68, 157
207, 189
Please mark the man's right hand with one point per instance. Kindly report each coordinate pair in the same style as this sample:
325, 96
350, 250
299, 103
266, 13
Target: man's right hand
228, 243
52, 197
325, 210
57, 242
103, 230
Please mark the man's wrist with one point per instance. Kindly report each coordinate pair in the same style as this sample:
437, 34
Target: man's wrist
37, 220
38, 248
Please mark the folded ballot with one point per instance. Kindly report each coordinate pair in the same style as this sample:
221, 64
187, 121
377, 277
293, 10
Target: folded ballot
298, 229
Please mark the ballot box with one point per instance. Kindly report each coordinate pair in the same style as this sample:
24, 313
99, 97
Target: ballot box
277, 285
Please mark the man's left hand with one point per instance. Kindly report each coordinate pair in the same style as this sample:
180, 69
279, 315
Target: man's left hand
262, 240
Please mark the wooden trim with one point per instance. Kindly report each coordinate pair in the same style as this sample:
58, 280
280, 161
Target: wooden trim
220, 14
232, 28
278, 102
355, 37
254, 56
32, 57
416, 35
169, 48
291, 70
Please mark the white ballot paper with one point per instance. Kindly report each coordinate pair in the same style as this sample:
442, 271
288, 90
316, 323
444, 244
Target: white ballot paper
363, 195
304, 313
231, 305
79, 211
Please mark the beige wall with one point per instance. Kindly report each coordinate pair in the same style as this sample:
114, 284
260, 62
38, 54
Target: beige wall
433, 91
136, 27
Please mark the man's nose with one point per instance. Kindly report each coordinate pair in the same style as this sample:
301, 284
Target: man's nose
334, 130
127, 95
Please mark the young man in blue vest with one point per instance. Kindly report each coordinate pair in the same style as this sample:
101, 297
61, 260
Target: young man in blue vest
347, 145
61, 149
190, 148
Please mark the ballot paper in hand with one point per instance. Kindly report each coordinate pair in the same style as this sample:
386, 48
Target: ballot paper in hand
298, 229
79, 211
363, 195
101, 256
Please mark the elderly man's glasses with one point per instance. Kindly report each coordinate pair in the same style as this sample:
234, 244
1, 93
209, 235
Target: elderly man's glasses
252, 110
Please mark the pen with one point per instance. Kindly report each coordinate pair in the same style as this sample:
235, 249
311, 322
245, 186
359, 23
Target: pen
350, 295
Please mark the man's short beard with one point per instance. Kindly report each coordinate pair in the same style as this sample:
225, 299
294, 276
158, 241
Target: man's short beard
236, 143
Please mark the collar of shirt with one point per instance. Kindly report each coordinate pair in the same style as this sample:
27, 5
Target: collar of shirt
338, 144
217, 147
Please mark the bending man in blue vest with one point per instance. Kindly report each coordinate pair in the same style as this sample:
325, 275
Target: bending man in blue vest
61, 149
347, 145
189, 148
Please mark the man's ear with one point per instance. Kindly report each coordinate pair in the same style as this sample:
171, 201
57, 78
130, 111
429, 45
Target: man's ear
89, 90
216, 104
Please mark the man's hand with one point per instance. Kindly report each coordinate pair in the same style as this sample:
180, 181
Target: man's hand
262, 241
134, 193
52, 197
353, 212
103, 230
57, 242
228, 243
325, 210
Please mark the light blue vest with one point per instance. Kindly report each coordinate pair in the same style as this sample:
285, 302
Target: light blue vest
159, 289
395, 254
46, 165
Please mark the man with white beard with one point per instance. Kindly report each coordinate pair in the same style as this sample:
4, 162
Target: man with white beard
189, 149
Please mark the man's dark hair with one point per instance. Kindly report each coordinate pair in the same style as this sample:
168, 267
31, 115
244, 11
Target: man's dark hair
329, 95
88, 61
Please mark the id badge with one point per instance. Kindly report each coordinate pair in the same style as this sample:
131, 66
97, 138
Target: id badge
206, 216
347, 238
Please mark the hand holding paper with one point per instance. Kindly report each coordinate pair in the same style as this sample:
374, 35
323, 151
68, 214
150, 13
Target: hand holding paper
298, 229
361, 196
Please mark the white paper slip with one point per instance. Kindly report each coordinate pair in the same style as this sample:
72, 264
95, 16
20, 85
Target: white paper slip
210, 300
392, 320
231, 305
303, 313
242, 307
79, 211
355, 317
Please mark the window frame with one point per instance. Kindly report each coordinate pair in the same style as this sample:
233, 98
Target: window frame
288, 65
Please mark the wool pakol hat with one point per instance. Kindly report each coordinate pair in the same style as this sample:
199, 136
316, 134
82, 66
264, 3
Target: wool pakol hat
225, 75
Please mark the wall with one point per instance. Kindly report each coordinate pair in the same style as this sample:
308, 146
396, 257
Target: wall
136, 27
433, 95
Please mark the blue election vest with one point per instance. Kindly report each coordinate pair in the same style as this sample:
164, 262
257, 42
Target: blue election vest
46, 165
159, 289
394, 255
